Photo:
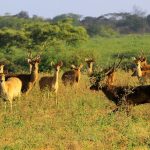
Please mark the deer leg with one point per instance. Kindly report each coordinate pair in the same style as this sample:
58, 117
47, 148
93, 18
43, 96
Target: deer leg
11, 105
48, 94
5, 103
56, 99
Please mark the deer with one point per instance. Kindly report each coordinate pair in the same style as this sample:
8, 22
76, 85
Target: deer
10, 88
119, 94
51, 82
143, 60
72, 76
141, 74
28, 80
89, 62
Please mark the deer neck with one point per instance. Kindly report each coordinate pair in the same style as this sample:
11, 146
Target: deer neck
78, 75
34, 74
110, 79
1, 69
3, 87
110, 93
55, 77
90, 69
139, 72
30, 68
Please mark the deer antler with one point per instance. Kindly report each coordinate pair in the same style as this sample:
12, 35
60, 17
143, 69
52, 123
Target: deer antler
29, 54
142, 53
60, 63
117, 66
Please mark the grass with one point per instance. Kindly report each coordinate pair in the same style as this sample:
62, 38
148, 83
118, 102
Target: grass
80, 121
105, 49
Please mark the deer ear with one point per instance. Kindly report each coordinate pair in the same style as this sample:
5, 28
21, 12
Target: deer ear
73, 66
29, 60
86, 59
81, 65
144, 59
38, 58
133, 58
52, 63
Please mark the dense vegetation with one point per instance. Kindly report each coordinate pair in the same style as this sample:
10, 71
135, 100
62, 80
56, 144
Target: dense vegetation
67, 37
20, 35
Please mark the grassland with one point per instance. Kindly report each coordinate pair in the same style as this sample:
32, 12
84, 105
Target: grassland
105, 49
82, 120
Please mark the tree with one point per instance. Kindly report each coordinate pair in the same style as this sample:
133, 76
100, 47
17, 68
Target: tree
22, 14
148, 19
75, 18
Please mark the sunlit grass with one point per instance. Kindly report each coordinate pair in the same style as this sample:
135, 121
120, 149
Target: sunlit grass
81, 120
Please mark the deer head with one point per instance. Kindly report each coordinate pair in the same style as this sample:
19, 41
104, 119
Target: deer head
58, 65
99, 76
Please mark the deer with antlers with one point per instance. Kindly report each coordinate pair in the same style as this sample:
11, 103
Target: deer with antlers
10, 88
51, 82
72, 76
28, 80
119, 94
90, 63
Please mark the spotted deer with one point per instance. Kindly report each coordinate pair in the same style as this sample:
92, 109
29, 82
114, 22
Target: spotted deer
72, 76
10, 88
51, 82
28, 80
90, 63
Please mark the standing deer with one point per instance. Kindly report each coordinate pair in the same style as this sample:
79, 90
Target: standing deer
72, 76
90, 66
28, 80
142, 72
131, 95
51, 82
10, 88
143, 60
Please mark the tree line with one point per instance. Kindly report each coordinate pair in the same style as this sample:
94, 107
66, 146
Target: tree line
21, 33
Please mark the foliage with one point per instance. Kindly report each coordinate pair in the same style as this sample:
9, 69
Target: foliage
123, 22
37, 35
107, 31
75, 18
65, 40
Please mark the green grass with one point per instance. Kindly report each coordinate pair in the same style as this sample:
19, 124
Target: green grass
104, 49
82, 119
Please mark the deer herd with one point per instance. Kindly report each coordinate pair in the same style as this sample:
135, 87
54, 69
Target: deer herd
13, 85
